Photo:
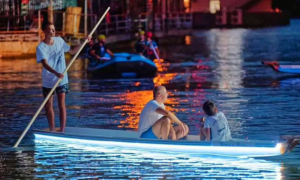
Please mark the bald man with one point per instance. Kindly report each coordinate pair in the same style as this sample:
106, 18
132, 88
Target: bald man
156, 122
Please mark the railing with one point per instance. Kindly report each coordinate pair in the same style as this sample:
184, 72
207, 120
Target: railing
179, 20
8, 23
17, 28
116, 24
142, 22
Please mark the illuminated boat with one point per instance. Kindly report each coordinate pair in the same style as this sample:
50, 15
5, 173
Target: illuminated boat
191, 144
294, 69
122, 65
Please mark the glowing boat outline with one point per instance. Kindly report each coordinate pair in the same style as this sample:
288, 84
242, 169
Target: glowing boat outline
191, 144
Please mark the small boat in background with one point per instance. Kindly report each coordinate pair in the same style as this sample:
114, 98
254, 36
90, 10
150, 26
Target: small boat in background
122, 65
295, 69
190, 145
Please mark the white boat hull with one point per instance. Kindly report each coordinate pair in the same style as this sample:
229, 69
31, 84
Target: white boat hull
191, 145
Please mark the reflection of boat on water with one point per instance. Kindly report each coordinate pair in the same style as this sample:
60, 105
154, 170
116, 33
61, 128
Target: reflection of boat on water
287, 81
122, 65
191, 144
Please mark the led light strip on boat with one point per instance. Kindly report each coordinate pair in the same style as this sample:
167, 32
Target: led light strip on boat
212, 150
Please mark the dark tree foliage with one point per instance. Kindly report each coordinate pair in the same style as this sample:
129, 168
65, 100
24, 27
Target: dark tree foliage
284, 5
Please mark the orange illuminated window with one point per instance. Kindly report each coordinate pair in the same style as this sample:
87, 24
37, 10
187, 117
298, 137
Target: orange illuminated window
214, 6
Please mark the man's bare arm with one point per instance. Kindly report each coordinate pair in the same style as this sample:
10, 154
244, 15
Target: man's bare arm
168, 114
93, 53
173, 118
110, 52
50, 69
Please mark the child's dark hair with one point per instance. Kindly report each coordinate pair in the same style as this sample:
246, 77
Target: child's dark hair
46, 24
209, 108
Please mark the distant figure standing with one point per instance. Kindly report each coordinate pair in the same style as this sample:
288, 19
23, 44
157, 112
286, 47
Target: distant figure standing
215, 124
51, 53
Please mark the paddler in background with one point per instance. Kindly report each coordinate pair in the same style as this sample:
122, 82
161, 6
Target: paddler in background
99, 49
140, 45
87, 49
146, 46
151, 47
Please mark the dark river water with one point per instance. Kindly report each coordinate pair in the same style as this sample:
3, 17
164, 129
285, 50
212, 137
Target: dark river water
219, 65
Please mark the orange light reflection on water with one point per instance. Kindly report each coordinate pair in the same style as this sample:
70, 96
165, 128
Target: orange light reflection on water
19, 73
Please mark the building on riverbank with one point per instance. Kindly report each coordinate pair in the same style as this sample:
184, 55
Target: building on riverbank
20, 20
237, 13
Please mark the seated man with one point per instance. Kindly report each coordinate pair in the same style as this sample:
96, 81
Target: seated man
215, 124
156, 122
99, 49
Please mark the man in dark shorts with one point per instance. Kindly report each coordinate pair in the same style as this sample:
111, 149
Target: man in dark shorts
51, 53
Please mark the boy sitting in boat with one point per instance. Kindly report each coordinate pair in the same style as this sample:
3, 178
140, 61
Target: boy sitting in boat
215, 126
99, 49
156, 122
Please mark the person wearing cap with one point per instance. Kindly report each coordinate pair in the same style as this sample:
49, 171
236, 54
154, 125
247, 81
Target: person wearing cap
140, 45
151, 46
99, 49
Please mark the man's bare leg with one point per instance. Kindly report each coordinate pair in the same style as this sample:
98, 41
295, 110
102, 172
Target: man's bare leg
179, 134
50, 113
61, 97
162, 128
172, 134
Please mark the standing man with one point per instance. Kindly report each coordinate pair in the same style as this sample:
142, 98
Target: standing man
51, 53
155, 121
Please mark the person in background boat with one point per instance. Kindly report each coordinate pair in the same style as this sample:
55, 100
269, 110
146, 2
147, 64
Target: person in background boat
151, 46
99, 49
87, 49
156, 122
51, 53
215, 125
140, 45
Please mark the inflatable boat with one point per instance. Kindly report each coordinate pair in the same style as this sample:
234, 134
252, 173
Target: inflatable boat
295, 69
122, 65
190, 145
